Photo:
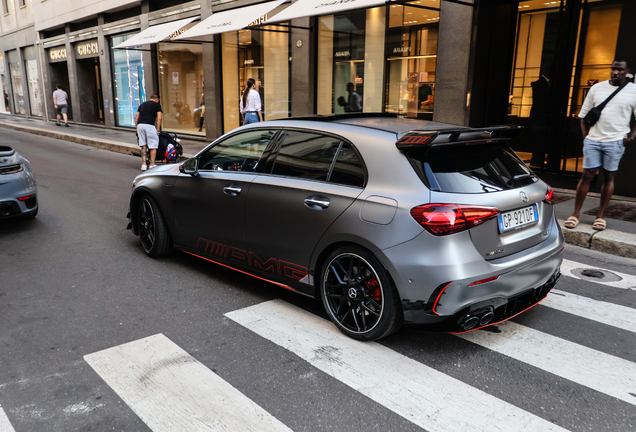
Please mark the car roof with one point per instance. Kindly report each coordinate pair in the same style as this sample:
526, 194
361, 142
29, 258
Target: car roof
390, 123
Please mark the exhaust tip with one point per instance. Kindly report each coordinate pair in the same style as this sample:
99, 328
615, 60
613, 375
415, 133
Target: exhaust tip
486, 318
470, 323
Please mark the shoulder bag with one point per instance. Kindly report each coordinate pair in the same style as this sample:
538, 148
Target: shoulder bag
594, 114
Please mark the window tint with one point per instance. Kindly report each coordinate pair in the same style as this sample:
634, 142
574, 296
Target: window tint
471, 169
306, 155
348, 169
241, 152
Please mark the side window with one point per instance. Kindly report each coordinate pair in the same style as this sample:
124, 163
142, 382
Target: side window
241, 152
307, 155
348, 169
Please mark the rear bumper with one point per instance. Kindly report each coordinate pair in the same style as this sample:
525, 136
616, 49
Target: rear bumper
16, 208
480, 314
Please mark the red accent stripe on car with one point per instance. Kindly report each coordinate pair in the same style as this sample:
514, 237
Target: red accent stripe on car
241, 271
440, 294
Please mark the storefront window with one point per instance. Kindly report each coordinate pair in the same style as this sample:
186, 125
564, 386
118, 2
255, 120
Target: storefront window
411, 48
261, 54
4, 99
18, 89
181, 87
128, 67
35, 96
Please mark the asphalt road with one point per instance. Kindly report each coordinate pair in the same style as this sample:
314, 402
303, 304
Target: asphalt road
74, 282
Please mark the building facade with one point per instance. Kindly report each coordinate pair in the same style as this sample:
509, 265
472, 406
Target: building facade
459, 61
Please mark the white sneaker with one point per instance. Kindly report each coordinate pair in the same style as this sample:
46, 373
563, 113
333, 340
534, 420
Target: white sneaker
144, 167
151, 166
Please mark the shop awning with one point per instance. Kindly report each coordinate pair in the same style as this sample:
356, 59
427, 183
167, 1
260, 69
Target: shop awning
231, 20
156, 33
306, 8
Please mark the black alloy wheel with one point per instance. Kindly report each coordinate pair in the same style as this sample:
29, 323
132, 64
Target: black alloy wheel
153, 230
359, 296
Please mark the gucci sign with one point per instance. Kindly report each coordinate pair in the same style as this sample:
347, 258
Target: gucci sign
57, 53
88, 49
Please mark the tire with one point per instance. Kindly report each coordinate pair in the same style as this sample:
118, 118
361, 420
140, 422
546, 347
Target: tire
153, 230
359, 295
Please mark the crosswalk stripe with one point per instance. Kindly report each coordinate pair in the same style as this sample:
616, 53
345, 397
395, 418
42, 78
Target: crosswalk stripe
607, 313
5, 424
420, 394
171, 391
627, 281
594, 369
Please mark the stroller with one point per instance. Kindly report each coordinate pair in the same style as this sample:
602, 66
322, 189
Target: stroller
169, 149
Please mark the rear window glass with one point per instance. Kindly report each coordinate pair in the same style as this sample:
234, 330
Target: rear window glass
471, 168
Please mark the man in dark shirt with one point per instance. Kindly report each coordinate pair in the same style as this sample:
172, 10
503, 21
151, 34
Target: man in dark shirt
148, 122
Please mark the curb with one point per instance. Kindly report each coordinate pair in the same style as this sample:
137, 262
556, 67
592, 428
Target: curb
608, 241
114, 146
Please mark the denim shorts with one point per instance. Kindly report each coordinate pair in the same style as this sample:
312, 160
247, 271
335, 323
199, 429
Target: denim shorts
605, 154
251, 117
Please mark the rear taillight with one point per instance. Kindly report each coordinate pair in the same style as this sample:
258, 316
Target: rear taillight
549, 196
445, 219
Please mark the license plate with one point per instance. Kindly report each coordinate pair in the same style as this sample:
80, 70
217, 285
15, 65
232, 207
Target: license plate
518, 218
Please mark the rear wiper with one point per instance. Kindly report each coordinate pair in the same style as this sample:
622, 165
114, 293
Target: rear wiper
520, 177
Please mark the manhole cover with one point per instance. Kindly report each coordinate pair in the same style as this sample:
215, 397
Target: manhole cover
596, 275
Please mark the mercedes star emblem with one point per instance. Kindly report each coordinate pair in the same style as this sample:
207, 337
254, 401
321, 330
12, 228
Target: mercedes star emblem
524, 196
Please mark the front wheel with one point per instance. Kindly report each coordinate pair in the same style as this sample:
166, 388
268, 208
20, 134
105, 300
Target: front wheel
153, 230
359, 295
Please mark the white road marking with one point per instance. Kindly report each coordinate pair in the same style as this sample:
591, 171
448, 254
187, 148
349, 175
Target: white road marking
607, 313
594, 369
5, 424
420, 394
171, 391
628, 281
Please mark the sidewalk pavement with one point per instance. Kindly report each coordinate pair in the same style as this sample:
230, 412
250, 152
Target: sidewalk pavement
618, 239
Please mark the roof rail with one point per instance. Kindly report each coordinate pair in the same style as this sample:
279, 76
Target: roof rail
415, 139
347, 116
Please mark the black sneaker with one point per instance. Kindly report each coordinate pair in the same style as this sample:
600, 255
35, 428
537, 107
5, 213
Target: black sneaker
67, 125
57, 124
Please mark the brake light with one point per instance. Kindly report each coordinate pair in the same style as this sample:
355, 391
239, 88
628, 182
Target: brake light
24, 198
549, 196
445, 219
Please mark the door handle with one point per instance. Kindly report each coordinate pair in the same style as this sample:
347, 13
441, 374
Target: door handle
317, 202
232, 190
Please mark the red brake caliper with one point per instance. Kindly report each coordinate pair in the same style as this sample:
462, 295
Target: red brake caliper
375, 294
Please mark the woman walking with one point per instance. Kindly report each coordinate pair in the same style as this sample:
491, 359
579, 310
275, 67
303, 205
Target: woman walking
250, 105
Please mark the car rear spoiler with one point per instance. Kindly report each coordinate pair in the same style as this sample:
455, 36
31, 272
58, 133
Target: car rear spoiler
420, 140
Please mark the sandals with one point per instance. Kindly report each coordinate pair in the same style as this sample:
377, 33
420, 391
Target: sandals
599, 224
572, 222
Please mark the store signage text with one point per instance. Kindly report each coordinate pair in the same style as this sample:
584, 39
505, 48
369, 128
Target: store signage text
225, 24
399, 50
177, 33
333, 3
342, 54
249, 62
88, 49
57, 53
258, 21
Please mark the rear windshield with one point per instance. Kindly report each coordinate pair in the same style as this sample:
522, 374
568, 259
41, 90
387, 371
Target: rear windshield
471, 168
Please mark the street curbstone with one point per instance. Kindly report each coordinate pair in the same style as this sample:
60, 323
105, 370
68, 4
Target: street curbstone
615, 243
580, 236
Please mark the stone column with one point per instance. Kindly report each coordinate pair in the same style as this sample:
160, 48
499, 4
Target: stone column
303, 77
25, 83
213, 88
150, 64
47, 86
8, 87
452, 75
74, 90
106, 73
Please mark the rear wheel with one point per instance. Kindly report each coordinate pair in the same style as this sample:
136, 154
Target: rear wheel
359, 295
153, 230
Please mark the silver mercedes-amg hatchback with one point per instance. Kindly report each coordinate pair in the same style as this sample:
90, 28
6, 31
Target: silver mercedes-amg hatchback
386, 220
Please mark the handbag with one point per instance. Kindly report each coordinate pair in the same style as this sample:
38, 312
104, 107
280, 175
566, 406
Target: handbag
594, 114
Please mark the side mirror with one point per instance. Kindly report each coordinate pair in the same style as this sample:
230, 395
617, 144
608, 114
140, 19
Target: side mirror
191, 166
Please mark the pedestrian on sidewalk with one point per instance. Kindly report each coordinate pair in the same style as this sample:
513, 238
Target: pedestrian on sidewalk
250, 104
148, 123
604, 141
60, 102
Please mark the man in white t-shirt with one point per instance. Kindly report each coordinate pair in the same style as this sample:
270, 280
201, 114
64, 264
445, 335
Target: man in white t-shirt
604, 143
60, 102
